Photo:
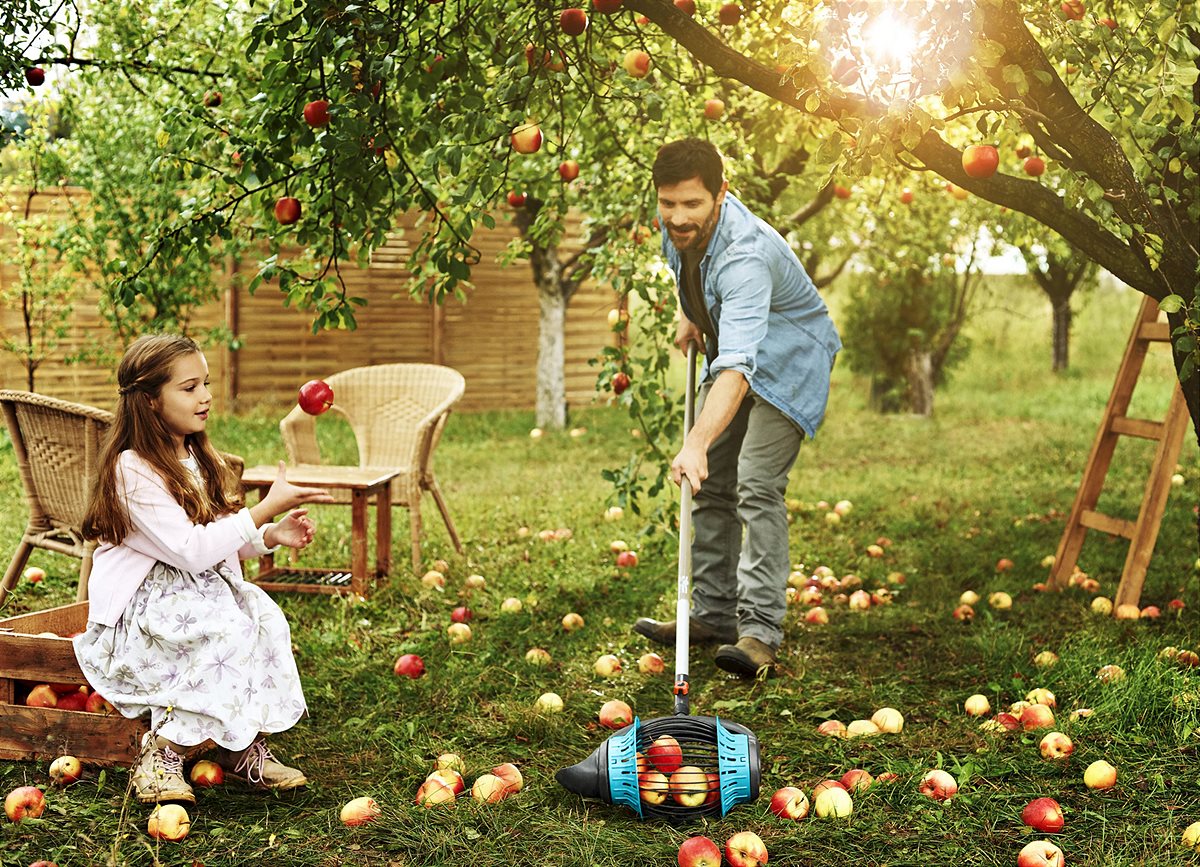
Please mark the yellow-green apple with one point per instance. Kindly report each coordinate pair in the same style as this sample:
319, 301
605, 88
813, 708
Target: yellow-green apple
511, 605
206, 774
729, 14
875, 551
1041, 695
833, 802
1035, 166
1040, 853
651, 663
489, 788
475, 582
168, 822
359, 811
287, 210
789, 803
24, 802
614, 513
1127, 612
1004, 564
636, 63
1000, 600
1043, 814
939, 785
906, 196
42, 695
607, 665
549, 702
537, 656
461, 614
1110, 674
511, 776
434, 579
616, 546
699, 852
615, 714
1081, 713
889, 720
652, 785
573, 21
1100, 775
1102, 605
687, 7
860, 600
627, 559
688, 786
1191, 836
857, 779
968, 597
1037, 716
34, 574
1045, 659
958, 192
665, 754
714, 109
745, 848
572, 621
451, 762
965, 613
817, 615
568, 170
1073, 9
96, 703
843, 507
526, 138
862, 728
315, 396
409, 665
850, 582
832, 728
1168, 653
435, 790
458, 633
441, 566
808, 595
1056, 746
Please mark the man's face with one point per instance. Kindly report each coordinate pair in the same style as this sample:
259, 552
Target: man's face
689, 212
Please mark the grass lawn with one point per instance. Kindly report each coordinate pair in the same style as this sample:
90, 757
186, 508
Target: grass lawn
991, 476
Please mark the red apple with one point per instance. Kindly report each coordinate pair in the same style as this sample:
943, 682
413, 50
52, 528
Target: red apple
1041, 853
653, 787
729, 14
606, 7
938, 785
1043, 814
212, 98
615, 714
34, 574
573, 21
636, 63
841, 192
438, 788
688, 786
906, 197
1037, 716
41, 696
206, 774
461, 614
651, 663
1004, 564
526, 138
316, 113
1073, 9
169, 822
515, 199
620, 382
665, 754
627, 559
96, 703
1056, 746
745, 848
359, 811
35, 76
65, 770
714, 109
568, 170
76, 701
980, 161
1110, 23
510, 775
1035, 166
24, 802
856, 779
789, 803
409, 665
287, 210
687, 7
1023, 151
699, 852
315, 396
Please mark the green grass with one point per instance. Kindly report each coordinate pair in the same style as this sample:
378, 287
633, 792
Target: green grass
991, 475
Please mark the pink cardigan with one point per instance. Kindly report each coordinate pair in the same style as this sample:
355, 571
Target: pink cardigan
161, 531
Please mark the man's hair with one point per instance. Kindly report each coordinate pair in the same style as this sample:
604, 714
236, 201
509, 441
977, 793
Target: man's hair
689, 158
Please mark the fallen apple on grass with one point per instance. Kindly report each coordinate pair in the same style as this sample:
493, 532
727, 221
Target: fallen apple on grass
1046, 659
977, 705
888, 720
1000, 600
511, 776
409, 665
1110, 674
433, 579
537, 656
34, 574
1100, 775
965, 613
699, 852
651, 663
169, 822
1041, 853
615, 714
789, 803
627, 559
1044, 815
549, 702
572, 621
857, 779
939, 785
1041, 695
862, 728
745, 849
833, 802
436, 790
1191, 836
1056, 746
489, 788
1037, 716
511, 605
1102, 605
24, 802
359, 811
832, 728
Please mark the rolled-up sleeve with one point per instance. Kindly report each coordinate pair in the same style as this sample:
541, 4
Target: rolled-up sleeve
743, 288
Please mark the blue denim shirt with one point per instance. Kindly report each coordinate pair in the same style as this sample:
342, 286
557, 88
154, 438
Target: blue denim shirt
772, 325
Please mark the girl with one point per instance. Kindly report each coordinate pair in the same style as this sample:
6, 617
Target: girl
173, 629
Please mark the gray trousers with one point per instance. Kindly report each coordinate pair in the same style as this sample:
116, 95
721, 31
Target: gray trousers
740, 562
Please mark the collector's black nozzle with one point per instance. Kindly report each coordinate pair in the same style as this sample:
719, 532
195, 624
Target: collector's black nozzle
589, 778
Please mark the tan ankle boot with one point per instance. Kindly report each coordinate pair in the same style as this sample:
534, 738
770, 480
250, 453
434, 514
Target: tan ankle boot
158, 775
256, 766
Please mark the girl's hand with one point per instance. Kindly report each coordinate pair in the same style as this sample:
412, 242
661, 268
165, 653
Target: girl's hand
284, 495
296, 530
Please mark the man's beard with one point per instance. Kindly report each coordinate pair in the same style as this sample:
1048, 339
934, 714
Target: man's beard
697, 235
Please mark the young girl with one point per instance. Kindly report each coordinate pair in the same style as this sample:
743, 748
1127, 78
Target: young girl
173, 629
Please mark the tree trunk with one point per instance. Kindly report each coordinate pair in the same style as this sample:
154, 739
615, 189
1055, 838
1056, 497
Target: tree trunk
1062, 334
919, 370
551, 381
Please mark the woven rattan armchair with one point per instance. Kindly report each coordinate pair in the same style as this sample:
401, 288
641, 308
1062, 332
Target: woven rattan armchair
57, 447
397, 413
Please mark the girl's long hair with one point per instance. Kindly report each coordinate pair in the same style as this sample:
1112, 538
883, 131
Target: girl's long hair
144, 370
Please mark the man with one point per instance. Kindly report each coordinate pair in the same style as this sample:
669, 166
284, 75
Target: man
769, 347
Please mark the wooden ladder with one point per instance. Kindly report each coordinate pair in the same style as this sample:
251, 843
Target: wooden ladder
1169, 433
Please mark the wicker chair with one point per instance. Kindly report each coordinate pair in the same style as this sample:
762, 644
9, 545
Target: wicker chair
397, 413
57, 446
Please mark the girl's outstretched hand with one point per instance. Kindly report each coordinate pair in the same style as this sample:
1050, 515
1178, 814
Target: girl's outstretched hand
284, 495
295, 530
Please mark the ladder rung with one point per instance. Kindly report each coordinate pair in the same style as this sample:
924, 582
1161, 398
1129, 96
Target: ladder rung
1107, 524
1137, 427
1154, 331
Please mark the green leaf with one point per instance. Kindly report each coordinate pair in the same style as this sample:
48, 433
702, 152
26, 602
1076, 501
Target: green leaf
1171, 304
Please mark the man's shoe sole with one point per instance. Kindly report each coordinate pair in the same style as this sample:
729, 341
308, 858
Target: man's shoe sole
730, 658
648, 628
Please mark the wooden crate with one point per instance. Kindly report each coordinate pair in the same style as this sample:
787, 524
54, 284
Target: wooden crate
46, 733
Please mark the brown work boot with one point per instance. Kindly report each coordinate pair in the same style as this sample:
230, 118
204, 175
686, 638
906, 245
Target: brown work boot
256, 766
748, 658
698, 633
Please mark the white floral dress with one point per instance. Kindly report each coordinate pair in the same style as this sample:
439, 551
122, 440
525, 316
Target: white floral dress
208, 656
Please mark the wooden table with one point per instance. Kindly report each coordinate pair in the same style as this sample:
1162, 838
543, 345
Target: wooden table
362, 485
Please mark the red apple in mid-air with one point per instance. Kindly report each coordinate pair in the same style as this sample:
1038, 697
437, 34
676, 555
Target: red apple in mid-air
527, 138
1043, 814
1035, 166
789, 803
287, 210
516, 200
315, 396
573, 21
699, 852
316, 113
409, 665
745, 848
24, 802
980, 161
